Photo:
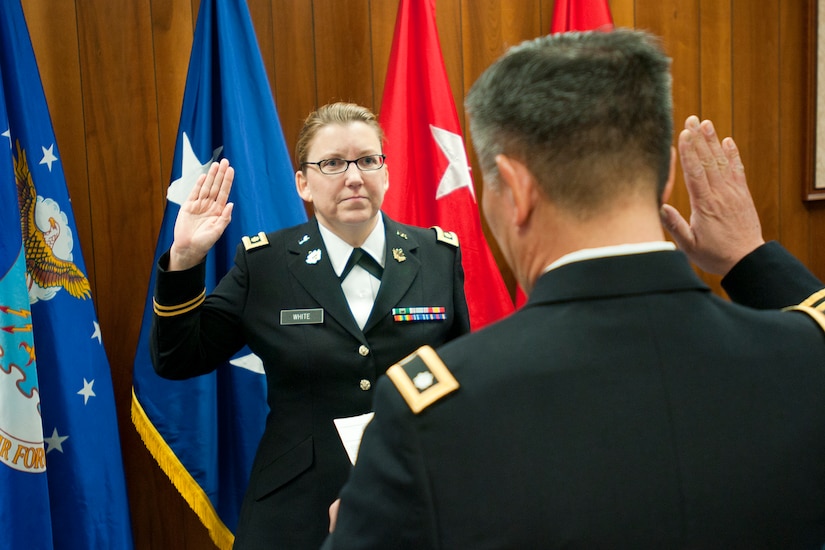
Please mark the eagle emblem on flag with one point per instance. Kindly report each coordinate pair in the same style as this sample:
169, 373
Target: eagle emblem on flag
44, 267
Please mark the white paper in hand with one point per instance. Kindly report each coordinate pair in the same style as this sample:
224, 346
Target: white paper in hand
350, 430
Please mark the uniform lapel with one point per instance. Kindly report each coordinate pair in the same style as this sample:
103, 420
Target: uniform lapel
309, 263
401, 266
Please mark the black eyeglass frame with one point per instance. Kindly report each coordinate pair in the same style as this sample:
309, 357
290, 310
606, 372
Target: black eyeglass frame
355, 161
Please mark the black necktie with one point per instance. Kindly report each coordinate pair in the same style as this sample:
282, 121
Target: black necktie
366, 261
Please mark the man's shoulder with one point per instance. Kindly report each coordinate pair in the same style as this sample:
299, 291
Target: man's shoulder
813, 307
428, 376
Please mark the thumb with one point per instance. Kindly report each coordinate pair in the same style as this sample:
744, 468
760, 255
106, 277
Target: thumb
333, 514
677, 226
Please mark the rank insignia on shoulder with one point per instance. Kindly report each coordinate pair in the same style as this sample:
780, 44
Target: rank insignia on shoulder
445, 236
255, 241
817, 315
422, 379
815, 300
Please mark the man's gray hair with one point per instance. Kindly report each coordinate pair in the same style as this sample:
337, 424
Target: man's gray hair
582, 111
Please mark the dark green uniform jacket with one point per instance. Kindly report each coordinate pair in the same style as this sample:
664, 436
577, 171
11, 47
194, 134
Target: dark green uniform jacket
283, 299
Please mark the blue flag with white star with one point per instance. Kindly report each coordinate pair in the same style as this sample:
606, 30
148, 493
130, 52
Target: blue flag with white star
61, 469
204, 432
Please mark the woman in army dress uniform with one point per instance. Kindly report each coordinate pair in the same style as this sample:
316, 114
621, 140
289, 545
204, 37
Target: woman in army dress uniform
325, 330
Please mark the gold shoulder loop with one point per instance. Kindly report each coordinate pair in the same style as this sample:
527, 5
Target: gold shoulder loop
255, 241
815, 314
815, 300
422, 378
448, 237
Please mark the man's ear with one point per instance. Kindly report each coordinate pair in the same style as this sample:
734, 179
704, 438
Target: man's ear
671, 177
302, 186
519, 181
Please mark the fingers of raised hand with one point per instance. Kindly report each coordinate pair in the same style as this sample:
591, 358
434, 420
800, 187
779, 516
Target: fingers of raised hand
718, 157
706, 145
692, 165
732, 154
213, 180
226, 183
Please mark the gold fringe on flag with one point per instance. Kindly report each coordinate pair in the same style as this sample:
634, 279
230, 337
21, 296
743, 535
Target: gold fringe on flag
186, 485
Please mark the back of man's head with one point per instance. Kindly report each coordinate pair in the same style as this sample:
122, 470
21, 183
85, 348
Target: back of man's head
589, 113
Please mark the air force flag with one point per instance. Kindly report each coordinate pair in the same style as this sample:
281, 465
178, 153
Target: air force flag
61, 470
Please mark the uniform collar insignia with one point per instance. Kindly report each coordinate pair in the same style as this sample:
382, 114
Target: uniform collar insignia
314, 256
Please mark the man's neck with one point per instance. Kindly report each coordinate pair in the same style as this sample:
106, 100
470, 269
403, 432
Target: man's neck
559, 235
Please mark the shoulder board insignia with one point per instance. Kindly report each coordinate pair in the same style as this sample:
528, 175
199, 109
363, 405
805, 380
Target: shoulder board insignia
422, 378
815, 314
255, 241
448, 237
815, 300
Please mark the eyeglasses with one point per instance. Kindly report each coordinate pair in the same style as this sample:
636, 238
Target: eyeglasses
331, 167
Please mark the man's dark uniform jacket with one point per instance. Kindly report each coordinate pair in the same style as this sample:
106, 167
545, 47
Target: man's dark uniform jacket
283, 299
624, 406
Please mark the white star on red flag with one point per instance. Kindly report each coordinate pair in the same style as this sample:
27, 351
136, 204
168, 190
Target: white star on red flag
457, 174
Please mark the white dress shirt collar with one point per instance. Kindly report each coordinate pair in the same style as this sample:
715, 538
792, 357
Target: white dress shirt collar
339, 250
607, 251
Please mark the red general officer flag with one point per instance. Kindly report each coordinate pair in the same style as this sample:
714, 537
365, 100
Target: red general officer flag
581, 15
430, 181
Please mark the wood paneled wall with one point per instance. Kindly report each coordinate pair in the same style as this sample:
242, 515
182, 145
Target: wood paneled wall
114, 74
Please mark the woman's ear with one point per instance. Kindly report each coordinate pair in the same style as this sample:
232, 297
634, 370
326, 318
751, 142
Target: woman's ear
302, 186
